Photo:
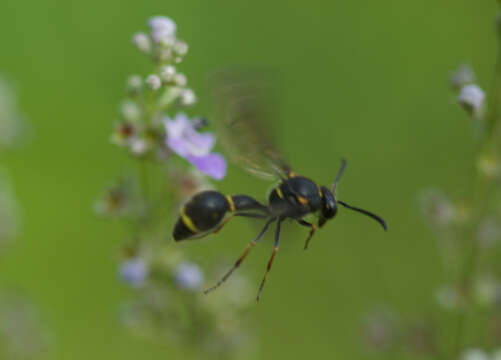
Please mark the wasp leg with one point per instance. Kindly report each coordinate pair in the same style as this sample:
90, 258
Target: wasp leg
249, 215
312, 231
242, 257
270, 262
225, 221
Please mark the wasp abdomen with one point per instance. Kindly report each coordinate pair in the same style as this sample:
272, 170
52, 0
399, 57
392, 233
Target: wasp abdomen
204, 212
244, 202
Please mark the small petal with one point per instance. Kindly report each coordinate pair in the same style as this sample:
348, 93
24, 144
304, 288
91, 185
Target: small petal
212, 165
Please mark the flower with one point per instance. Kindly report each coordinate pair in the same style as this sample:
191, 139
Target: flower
142, 42
184, 140
162, 28
134, 272
153, 82
474, 354
188, 97
472, 99
189, 276
168, 73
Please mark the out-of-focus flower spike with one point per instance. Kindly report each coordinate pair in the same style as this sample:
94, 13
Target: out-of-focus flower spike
162, 28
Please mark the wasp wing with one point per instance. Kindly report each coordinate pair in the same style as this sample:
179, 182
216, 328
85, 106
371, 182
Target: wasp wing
244, 112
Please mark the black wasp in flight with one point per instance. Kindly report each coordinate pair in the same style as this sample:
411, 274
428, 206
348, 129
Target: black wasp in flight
242, 101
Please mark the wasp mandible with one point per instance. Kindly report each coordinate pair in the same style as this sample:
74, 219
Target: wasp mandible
295, 197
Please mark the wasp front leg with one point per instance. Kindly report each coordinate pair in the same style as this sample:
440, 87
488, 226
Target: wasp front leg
313, 228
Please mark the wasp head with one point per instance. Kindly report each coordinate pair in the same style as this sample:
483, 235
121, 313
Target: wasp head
329, 206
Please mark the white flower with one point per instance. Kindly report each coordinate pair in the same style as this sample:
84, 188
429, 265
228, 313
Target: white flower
474, 354
153, 82
168, 73
188, 97
189, 276
162, 28
138, 146
472, 99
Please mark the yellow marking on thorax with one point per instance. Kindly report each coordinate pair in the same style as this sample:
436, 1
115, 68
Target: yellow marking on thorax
231, 203
291, 174
279, 192
302, 200
188, 222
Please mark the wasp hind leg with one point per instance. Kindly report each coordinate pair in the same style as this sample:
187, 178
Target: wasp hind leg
313, 228
242, 257
270, 262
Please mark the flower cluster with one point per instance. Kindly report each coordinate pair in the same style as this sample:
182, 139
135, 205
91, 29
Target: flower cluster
468, 233
176, 160
470, 96
145, 127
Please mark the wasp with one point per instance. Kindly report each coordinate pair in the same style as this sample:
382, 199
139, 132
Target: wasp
295, 197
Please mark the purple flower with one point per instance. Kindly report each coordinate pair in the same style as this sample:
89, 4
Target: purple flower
188, 276
184, 140
133, 272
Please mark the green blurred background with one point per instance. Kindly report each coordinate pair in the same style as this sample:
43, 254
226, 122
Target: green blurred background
362, 79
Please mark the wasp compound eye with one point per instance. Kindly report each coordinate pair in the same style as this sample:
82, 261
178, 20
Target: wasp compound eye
329, 207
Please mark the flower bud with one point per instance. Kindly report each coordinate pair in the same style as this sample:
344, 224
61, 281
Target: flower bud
188, 97
153, 81
180, 48
180, 80
134, 84
142, 42
168, 73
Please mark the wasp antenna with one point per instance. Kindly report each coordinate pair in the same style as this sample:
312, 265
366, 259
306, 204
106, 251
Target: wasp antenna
339, 175
365, 212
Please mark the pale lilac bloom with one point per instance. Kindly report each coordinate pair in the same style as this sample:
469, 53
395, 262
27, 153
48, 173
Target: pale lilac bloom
472, 99
162, 28
133, 272
184, 140
189, 276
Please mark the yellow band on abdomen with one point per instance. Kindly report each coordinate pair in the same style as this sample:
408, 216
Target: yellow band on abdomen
187, 221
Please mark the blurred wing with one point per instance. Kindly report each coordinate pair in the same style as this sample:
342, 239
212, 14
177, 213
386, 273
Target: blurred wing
244, 116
